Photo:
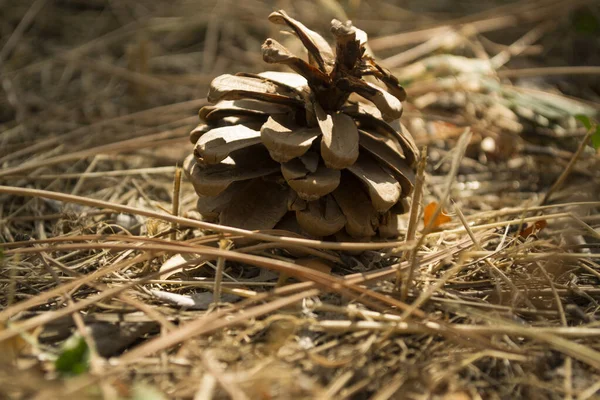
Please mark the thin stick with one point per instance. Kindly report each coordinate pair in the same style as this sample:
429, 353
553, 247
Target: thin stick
492, 20
399, 245
490, 264
165, 138
412, 221
102, 174
549, 336
460, 149
224, 244
563, 320
561, 179
170, 109
207, 324
176, 197
549, 71
417, 196
20, 29
424, 297
450, 39
521, 44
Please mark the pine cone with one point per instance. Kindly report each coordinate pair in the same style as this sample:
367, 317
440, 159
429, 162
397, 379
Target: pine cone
277, 144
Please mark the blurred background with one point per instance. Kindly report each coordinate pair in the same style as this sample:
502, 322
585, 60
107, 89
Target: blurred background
68, 62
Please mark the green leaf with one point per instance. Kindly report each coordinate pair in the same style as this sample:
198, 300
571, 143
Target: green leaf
585, 120
596, 138
589, 125
585, 22
74, 356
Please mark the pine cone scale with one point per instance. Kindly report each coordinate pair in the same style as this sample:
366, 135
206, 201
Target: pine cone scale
339, 146
259, 205
310, 185
322, 217
361, 217
316, 45
246, 107
232, 87
286, 141
210, 180
382, 187
389, 155
216, 145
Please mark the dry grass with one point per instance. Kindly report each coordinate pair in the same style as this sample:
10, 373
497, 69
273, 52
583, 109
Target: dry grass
98, 239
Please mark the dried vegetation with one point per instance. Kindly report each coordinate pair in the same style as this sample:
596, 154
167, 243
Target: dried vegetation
101, 246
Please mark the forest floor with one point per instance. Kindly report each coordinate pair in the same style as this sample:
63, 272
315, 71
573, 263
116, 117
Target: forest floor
107, 274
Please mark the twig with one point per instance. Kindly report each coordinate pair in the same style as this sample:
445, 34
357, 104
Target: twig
460, 149
209, 323
490, 264
399, 245
549, 71
561, 179
501, 18
568, 383
224, 244
176, 196
412, 221
417, 196
525, 41
20, 29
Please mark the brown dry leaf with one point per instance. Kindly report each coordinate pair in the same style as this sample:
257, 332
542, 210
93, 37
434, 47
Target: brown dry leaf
210, 180
428, 214
321, 218
384, 190
285, 140
533, 228
317, 47
310, 185
216, 145
260, 205
339, 145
